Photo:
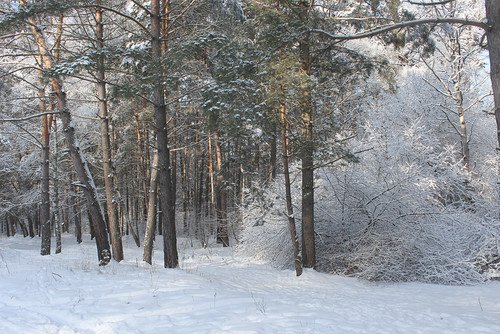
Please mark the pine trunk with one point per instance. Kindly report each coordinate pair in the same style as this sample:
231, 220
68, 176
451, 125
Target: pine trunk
221, 196
493, 34
168, 216
307, 154
493, 17
45, 227
289, 205
114, 228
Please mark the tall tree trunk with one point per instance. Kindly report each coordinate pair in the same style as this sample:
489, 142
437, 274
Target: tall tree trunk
45, 227
211, 190
289, 205
168, 225
151, 217
53, 122
185, 190
307, 149
143, 167
57, 209
165, 30
86, 180
273, 153
493, 34
221, 196
114, 227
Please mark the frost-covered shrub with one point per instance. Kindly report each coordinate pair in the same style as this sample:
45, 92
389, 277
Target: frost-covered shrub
402, 233
392, 230
408, 211
265, 235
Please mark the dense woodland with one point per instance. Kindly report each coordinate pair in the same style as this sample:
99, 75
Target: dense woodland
357, 137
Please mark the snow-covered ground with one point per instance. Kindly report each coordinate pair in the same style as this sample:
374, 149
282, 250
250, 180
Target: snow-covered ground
214, 292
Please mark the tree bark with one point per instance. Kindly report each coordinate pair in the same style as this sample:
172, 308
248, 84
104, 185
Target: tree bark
221, 196
168, 224
53, 122
45, 227
289, 205
464, 137
273, 153
109, 187
57, 209
151, 217
210, 162
307, 149
85, 178
493, 34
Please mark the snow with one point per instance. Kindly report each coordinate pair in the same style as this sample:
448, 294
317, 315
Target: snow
217, 292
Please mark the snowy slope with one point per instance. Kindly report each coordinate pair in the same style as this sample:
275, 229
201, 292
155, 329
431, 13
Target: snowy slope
214, 292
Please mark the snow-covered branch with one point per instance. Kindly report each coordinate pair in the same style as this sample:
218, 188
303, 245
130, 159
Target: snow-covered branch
401, 25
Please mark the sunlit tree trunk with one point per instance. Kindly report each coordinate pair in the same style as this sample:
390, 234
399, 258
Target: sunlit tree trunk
116, 240
57, 208
45, 227
151, 215
221, 196
211, 179
79, 162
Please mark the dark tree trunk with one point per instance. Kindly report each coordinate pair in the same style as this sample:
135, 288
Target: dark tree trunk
31, 227
493, 16
307, 150
289, 205
168, 216
86, 180
493, 34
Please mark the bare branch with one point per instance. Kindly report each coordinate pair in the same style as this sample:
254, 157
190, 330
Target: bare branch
27, 118
117, 12
450, 121
183, 12
405, 24
435, 3
448, 92
138, 4
36, 142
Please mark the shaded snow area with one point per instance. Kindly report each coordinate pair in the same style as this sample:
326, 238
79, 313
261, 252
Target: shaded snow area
216, 292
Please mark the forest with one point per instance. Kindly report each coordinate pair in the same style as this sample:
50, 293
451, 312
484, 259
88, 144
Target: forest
356, 137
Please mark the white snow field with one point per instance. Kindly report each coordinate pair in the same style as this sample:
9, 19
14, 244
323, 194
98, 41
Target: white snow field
214, 292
